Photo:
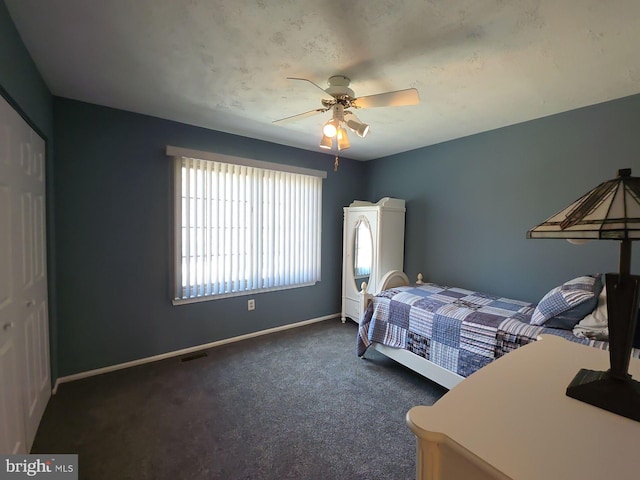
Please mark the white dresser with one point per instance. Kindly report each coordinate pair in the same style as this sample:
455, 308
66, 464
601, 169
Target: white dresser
373, 244
512, 420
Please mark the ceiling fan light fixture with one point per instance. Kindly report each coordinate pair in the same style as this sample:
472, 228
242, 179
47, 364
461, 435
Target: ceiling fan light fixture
330, 129
326, 142
360, 129
343, 139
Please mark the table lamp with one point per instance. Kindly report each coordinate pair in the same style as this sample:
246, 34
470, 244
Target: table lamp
610, 211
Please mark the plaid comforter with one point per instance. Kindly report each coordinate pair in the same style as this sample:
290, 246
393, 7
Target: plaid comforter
457, 329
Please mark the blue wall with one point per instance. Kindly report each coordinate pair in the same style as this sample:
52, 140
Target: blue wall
471, 201
20, 78
113, 230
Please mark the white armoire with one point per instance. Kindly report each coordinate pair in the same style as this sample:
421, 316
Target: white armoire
373, 244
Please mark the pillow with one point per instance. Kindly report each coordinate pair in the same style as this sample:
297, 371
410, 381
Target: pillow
567, 300
569, 318
595, 325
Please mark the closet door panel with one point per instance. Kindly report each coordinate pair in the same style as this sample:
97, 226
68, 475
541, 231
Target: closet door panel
34, 292
13, 432
24, 326
12, 437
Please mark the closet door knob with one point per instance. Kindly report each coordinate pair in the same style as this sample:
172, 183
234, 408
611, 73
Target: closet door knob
30, 303
7, 326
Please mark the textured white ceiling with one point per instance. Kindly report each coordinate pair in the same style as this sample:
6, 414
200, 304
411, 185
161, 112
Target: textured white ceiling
222, 64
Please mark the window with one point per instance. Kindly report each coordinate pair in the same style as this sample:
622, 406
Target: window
243, 226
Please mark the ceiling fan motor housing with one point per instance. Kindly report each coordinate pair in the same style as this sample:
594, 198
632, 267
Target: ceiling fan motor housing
339, 88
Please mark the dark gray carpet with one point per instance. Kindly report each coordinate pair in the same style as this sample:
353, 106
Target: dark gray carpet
296, 404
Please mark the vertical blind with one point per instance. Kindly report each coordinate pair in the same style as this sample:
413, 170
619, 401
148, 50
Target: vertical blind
244, 229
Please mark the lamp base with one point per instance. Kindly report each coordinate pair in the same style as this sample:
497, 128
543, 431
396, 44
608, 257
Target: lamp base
620, 396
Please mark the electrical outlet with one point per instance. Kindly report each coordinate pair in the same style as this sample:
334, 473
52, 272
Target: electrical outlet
251, 304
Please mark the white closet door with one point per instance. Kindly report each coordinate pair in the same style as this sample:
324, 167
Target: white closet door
12, 433
24, 324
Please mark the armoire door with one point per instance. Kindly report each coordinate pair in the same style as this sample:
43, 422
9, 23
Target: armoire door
24, 323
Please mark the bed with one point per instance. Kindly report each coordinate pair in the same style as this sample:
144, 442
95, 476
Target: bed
447, 333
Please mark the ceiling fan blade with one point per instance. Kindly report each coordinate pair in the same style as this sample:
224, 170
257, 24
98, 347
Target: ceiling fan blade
398, 98
325, 94
300, 116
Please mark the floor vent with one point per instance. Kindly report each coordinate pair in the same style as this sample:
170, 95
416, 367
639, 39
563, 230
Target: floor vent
193, 357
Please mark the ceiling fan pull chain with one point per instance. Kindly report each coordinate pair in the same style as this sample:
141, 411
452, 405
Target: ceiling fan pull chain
335, 165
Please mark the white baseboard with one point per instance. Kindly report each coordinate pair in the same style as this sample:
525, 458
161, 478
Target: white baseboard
185, 351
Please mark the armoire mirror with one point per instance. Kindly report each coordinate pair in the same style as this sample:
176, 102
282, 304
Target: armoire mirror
362, 252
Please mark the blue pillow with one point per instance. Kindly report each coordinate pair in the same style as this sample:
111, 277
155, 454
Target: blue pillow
566, 305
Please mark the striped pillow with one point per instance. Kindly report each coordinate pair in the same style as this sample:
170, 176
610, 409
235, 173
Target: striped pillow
567, 296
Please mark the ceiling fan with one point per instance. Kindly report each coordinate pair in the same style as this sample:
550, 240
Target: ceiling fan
340, 99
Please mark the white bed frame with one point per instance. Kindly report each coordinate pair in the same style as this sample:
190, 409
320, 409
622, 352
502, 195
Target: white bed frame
426, 368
